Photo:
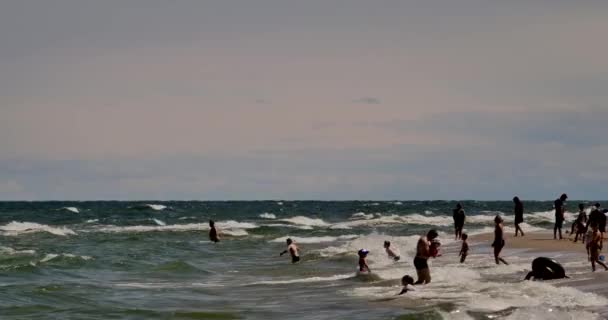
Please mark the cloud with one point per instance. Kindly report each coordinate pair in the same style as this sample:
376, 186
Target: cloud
368, 100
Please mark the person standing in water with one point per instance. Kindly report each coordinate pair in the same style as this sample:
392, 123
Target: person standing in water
499, 240
598, 217
459, 217
560, 209
423, 253
389, 251
464, 250
519, 215
213, 234
293, 251
595, 246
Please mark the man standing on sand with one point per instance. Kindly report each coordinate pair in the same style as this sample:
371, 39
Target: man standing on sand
423, 253
560, 209
459, 217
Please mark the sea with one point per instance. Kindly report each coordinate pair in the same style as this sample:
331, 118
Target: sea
153, 260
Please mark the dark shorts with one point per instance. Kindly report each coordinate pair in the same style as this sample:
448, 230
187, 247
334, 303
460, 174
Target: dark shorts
519, 219
559, 223
295, 259
498, 244
420, 263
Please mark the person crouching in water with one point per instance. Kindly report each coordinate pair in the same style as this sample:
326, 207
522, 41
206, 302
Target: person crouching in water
499, 240
595, 247
389, 251
423, 253
363, 267
464, 250
213, 234
293, 251
406, 281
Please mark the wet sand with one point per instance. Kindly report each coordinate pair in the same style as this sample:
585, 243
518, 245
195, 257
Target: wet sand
534, 242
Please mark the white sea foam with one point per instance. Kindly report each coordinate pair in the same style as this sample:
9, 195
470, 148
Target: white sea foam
362, 215
71, 209
51, 256
293, 226
308, 280
12, 252
16, 228
159, 222
267, 215
306, 221
92, 220
156, 207
315, 239
230, 227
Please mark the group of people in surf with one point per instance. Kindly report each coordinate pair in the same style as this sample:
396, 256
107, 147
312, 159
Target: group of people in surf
589, 228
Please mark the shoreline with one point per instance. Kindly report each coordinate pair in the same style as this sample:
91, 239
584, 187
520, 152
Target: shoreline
543, 244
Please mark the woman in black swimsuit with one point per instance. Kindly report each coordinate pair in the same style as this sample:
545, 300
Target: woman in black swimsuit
499, 241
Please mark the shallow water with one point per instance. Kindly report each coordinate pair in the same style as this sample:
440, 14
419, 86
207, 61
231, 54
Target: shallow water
152, 260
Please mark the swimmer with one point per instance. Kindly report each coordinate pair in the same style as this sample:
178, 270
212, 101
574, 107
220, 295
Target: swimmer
546, 269
406, 281
363, 267
464, 250
390, 252
293, 251
213, 234
499, 241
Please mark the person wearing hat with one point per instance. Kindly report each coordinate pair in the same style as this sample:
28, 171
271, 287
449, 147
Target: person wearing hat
499, 240
597, 217
560, 209
363, 267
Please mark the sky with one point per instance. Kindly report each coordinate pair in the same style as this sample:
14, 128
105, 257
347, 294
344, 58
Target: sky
294, 100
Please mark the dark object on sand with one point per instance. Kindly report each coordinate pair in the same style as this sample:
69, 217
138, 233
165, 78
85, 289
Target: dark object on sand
546, 269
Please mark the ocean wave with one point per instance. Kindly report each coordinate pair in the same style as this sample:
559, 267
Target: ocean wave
12, 252
267, 215
52, 256
308, 280
70, 209
16, 228
362, 215
230, 227
309, 240
148, 206
306, 221
159, 222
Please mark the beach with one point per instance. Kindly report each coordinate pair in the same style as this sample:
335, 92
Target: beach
153, 260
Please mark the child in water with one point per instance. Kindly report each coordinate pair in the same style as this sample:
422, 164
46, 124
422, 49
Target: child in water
363, 267
405, 281
464, 250
595, 247
390, 252
434, 248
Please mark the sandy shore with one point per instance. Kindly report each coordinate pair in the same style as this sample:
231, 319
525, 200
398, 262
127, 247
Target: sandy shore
534, 241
